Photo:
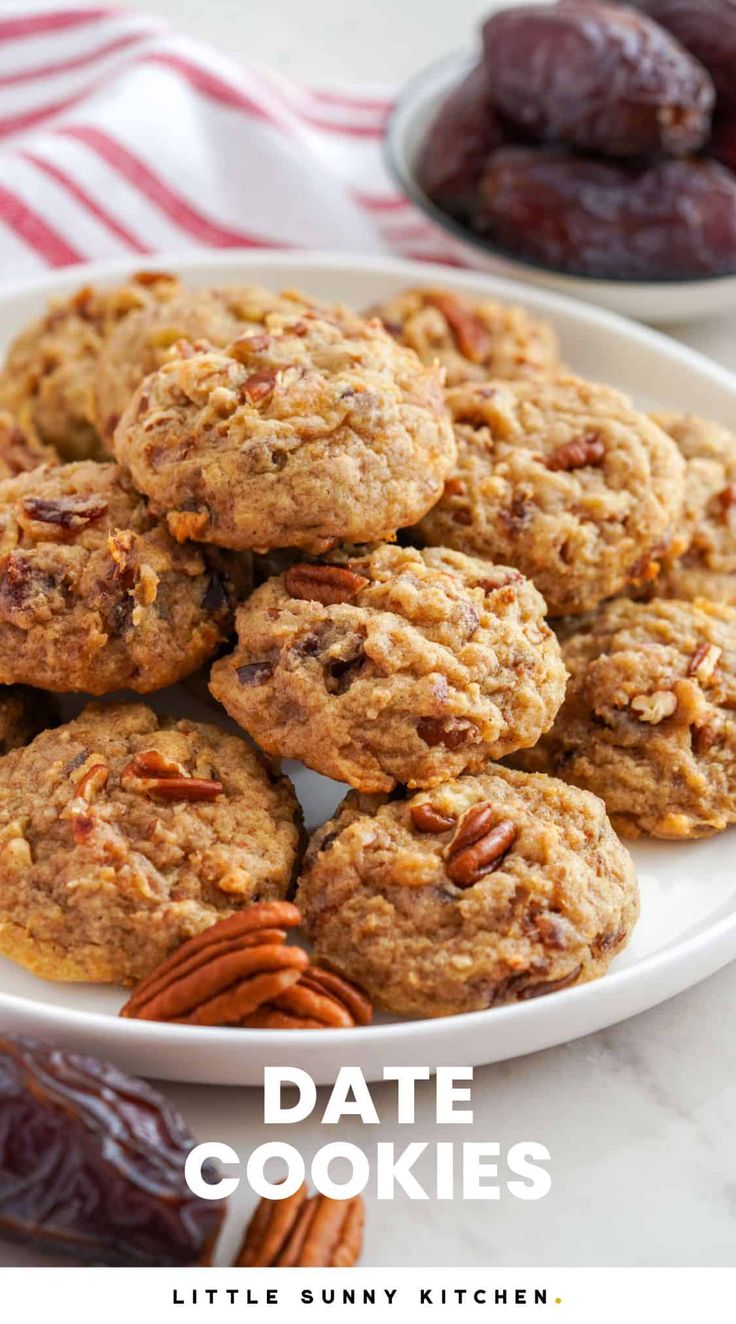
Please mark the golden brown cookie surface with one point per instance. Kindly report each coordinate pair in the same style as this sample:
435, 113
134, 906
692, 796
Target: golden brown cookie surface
649, 719
49, 370
122, 834
311, 432
393, 665
95, 594
473, 339
488, 889
562, 478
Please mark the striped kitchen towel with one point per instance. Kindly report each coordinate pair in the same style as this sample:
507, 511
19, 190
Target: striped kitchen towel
119, 136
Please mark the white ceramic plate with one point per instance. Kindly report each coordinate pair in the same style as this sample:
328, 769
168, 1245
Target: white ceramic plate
651, 301
688, 924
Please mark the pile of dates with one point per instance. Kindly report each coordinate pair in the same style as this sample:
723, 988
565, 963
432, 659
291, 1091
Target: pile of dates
597, 138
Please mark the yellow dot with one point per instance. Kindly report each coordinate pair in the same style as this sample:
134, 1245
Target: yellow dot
558, 1300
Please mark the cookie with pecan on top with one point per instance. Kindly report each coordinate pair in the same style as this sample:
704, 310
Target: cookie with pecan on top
388, 664
486, 890
649, 719
123, 834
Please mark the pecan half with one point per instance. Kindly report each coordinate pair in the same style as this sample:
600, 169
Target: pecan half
479, 846
311, 581
425, 818
469, 331
303, 1232
153, 774
70, 513
319, 1000
225, 973
577, 454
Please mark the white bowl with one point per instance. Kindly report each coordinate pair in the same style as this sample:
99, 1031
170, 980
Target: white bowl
688, 922
657, 301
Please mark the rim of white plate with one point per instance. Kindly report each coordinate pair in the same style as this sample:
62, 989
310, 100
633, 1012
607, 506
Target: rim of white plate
705, 951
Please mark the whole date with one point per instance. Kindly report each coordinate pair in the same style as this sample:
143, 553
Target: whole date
595, 218
466, 129
707, 28
598, 78
92, 1163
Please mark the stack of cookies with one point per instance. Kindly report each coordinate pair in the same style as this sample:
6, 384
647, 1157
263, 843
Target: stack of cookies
412, 492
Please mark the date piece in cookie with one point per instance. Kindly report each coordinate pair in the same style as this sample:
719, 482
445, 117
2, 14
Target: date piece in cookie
122, 834
309, 432
143, 341
649, 719
562, 478
486, 890
95, 594
707, 568
473, 339
49, 370
393, 665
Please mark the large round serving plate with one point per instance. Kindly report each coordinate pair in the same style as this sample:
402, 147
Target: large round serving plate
688, 923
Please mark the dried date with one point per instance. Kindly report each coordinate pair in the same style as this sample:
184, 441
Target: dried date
596, 218
92, 1163
465, 131
598, 78
706, 28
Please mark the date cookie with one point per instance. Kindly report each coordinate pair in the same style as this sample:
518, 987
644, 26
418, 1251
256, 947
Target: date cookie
49, 370
123, 834
649, 719
393, 665
562, 478
486, 890
707, 529
310, 432
95, 594
141, 342
472, 339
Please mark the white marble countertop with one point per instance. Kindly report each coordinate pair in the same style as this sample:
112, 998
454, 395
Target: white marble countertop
638, 1118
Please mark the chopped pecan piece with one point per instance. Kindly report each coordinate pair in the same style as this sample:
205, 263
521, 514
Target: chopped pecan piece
479, 847
470, 333
577, 454
225, 973
302, 1232
152, 774
259, 386
91, 782
425, 818
68, 513
704, 661
655, 707
312, 581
